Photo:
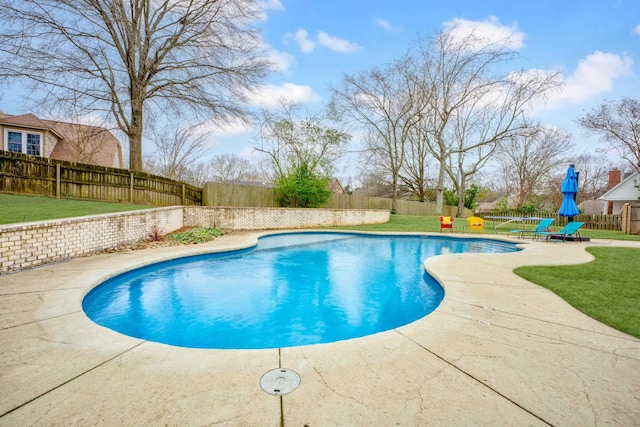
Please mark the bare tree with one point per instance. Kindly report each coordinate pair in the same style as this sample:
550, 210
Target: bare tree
231, 167
528, 159
125, 59
618, 124
290, 143
381, 102
178, 148
474, 101
414, 175
593, 174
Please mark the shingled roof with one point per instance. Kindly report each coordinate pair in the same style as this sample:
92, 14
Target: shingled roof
76, 142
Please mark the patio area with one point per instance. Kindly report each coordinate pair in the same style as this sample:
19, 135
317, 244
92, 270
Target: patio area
498, 351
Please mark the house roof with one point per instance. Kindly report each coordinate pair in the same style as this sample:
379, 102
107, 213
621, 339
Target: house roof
625, 190
104, 148
26, 121
76, 142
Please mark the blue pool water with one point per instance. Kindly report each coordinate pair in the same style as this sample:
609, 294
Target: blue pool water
290, 290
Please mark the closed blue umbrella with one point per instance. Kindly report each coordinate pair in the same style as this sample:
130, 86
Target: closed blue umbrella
569, 189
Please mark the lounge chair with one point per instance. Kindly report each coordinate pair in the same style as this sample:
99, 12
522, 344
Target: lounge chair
476, 223
570, 229
446, 222
543, 226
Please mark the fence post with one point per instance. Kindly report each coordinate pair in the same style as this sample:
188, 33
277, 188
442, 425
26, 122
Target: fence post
57, 180
184, 192
131, 187
626, 229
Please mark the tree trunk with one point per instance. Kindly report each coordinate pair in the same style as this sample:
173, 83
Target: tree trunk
394, 195
461, 194
440, 190
135, 136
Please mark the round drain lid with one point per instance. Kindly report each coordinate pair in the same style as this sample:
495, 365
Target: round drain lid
280, 381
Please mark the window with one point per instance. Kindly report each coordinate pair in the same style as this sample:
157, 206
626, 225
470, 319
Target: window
23, 142
14, 141
33, 144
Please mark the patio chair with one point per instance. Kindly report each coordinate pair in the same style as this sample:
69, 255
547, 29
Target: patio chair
543, 226
446, 222
476, 223
571, 229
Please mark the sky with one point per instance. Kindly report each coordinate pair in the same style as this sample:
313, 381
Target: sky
595, 44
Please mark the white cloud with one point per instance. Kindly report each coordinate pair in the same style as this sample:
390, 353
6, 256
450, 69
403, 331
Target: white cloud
268, 96
490, 30
281, 61
335, 43
261, 8
232, 127
271, 4
302, 37
323, 39
386, 25
593, 76
636, 30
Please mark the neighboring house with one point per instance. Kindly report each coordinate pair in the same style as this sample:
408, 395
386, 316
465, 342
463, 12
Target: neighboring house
59, 140
592, 207
336, 187
620, 191
489, 207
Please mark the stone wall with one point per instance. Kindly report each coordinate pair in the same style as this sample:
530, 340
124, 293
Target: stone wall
35, 243
31, 244
279, 218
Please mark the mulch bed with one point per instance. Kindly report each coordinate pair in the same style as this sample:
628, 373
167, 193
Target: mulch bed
154, 241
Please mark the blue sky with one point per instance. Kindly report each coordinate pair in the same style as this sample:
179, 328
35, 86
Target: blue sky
594, 43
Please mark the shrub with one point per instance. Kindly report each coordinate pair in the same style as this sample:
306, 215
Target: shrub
302, 189
196, 235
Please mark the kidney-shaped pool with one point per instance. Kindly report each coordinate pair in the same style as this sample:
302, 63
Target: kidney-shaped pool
291, 289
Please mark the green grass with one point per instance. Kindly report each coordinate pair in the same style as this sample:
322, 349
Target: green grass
411, 223
606, 289
19, 208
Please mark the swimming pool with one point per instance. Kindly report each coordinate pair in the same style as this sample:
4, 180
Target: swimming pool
291, 289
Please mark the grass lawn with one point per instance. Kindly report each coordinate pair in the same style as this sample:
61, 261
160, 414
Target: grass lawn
606, 288
431, 224
19, 208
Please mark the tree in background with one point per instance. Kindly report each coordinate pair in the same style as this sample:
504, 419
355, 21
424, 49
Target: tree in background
301, 153
126, 59
472, 193
617, 124
381, 102
474, 102
178, 147
594, 175
527, 160
231, 167
302, 189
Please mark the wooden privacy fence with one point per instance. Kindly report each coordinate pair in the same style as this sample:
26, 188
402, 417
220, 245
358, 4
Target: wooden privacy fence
228, 194
591, 222
21, 173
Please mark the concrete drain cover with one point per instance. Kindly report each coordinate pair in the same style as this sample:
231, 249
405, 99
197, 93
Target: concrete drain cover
280, 381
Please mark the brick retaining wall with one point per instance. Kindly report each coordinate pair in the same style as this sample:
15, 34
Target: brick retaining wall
31, 244
235, 218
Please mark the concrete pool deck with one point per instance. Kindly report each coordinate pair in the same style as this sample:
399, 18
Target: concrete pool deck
498, 351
